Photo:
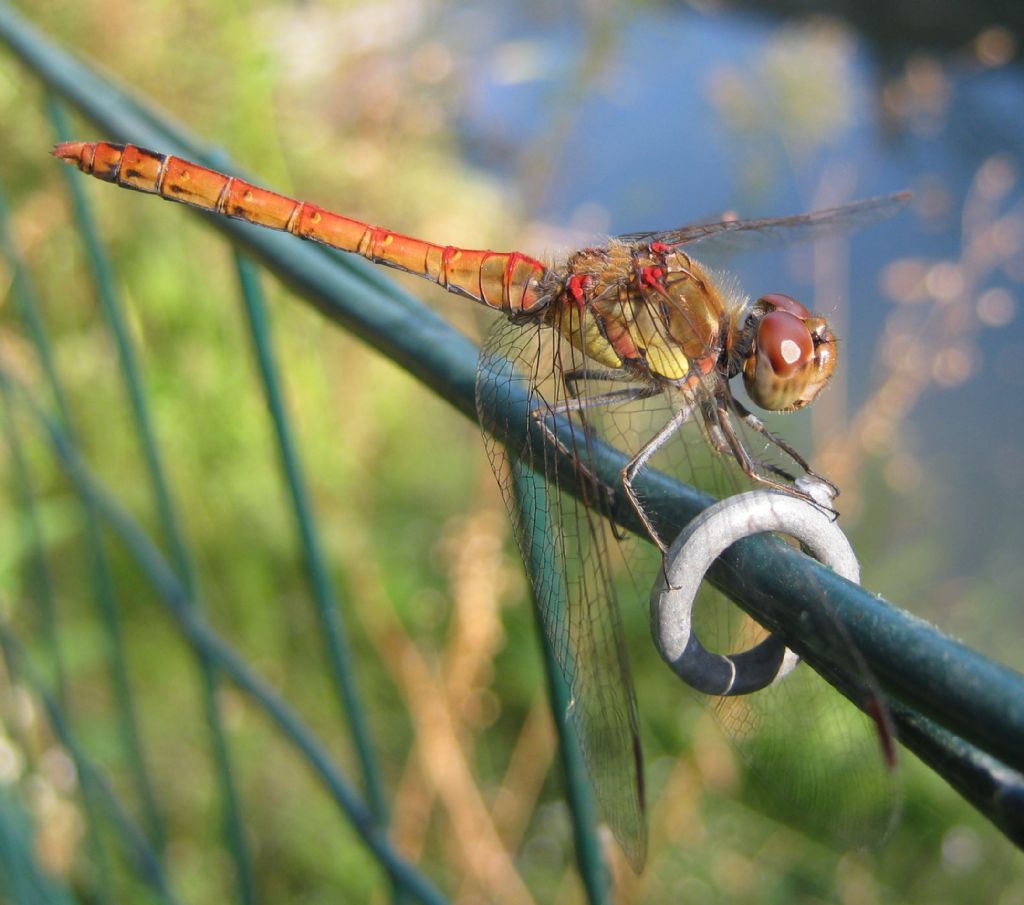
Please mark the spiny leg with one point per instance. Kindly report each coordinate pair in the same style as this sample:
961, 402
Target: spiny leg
638, 461
755, 423
754, 469
726, 442
607, 375
752, 421
581, 404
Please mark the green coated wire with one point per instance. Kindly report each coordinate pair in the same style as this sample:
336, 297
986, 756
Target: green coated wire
106, 288
18, 872
94, 837
141, 854
339, 656
94, 841
530, 495
171, 593
40, 581
102, 577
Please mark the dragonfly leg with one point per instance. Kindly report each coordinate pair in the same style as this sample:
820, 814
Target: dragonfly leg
755, 423
581, 404
579, 375
755, 469
727, 442
638, 461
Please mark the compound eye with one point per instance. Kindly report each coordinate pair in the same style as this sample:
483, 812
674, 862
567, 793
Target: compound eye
776, 301
789, 362
785, 341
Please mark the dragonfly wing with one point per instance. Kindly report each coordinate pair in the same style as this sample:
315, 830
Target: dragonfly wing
809, 758
569, 556
736, 235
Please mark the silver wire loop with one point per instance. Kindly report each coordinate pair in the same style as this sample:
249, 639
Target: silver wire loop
692, 554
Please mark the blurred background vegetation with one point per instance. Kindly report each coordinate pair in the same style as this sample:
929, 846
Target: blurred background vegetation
533, 126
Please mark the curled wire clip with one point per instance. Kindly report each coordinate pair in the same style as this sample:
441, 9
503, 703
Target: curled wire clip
692, 554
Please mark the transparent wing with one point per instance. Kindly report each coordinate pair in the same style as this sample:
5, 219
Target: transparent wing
574, 588
807, 756
746, 234
810, 758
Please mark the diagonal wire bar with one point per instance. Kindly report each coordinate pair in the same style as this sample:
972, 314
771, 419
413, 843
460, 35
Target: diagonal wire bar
94, 840
531, 492
190, 622
111, 305
25, 881
956, 688
104, 591
337, 649
40, 581
141, 854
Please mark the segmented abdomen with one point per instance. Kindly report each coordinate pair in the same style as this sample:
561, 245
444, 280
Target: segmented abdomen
507, 281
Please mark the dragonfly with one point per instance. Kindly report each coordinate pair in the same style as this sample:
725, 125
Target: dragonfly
635, 319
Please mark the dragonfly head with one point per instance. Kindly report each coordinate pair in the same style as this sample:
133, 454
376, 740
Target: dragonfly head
792, 354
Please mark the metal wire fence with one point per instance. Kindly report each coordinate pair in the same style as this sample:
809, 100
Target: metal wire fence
961, 713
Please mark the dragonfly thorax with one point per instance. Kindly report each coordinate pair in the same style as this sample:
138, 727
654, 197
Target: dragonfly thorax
649, 309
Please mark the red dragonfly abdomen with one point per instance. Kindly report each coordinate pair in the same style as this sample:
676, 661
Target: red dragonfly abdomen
506, 281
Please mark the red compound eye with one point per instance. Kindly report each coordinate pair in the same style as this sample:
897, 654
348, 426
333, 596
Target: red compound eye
791, 357
784, 340
776, 301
